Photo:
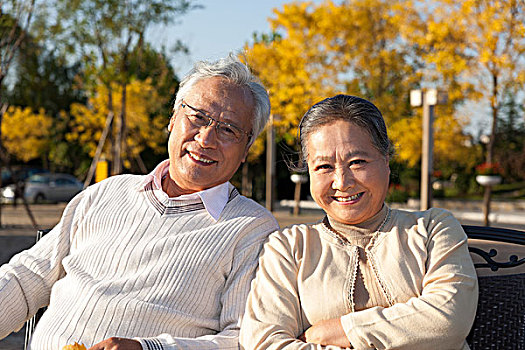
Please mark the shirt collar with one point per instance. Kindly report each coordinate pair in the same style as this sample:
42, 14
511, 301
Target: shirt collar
214, 198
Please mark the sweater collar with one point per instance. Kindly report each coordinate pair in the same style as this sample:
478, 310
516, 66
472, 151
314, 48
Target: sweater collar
359, 234
214, 199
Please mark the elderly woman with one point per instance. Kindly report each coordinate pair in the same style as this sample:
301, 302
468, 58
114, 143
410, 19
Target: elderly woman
366, 276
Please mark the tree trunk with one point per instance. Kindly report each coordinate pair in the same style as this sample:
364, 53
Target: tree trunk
486, 205
246, 184
123, 122
120, 139
490, 147
297, 199
3, 108
98, 152
494, 106
140, 163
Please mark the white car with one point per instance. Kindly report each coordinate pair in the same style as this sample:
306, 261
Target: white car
51, 187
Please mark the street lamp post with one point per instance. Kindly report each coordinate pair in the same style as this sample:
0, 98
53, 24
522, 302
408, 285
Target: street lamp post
428, 99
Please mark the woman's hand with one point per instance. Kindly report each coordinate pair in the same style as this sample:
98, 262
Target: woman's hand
328, 332
115, 343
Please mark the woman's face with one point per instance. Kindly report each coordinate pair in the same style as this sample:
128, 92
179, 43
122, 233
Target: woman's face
348, 176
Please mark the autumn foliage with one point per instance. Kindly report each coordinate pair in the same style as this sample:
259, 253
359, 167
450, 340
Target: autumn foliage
381, 50
145, 127
357, 48
25, 134
376, 49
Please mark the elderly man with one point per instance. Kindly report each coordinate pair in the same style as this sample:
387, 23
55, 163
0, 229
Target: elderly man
162, 261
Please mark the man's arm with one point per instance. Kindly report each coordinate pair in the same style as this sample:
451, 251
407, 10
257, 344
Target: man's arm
26, 281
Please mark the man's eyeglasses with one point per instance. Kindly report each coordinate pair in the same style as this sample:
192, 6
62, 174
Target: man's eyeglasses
225, 131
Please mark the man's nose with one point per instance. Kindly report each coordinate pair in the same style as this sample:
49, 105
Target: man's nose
207, 136
343, 179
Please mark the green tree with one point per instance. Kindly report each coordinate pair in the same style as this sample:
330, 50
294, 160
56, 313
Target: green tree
16, 21
44, 79
509, 148
105, 32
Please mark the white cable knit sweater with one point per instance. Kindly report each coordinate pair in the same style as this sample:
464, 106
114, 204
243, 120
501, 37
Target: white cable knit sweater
123, 263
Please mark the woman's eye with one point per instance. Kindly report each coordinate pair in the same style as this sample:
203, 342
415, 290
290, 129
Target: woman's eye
323, 167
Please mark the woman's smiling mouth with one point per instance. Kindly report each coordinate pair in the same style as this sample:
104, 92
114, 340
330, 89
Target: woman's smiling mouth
349, 198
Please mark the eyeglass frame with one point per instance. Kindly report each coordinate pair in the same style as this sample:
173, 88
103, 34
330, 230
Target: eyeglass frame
211, 120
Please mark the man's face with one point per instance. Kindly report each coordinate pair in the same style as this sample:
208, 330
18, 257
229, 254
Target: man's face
199, 159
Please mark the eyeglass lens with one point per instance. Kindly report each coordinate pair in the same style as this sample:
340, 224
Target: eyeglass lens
225, 131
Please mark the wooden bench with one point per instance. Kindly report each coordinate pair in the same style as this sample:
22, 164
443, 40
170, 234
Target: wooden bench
500, 317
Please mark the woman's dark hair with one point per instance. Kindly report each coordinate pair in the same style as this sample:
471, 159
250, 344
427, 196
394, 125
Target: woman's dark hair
348, 108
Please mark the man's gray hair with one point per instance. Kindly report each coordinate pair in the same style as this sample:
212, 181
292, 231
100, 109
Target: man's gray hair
237, 73
353, 109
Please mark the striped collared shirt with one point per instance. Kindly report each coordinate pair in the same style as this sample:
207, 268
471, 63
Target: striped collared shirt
214, 198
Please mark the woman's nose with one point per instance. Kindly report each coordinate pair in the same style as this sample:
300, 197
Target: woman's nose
207, 136
343, 179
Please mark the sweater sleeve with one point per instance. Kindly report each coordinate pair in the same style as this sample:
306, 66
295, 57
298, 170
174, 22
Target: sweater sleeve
234, 294
26, 281
273, 316
446, 305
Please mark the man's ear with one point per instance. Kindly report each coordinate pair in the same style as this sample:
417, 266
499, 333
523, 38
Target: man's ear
248, 145
245, 153
172, 121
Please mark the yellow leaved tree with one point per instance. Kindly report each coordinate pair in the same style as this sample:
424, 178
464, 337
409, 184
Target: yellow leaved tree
451, 144
478, 45
353, 47
145, 128
292, 66
25, 134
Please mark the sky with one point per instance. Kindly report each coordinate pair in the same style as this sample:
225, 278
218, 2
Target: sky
219, 27
223, 26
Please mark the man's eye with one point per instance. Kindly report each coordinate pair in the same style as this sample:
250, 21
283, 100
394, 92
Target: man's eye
198, 119
227, 130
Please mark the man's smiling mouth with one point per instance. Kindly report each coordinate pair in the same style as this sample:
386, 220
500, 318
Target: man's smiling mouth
199, 158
